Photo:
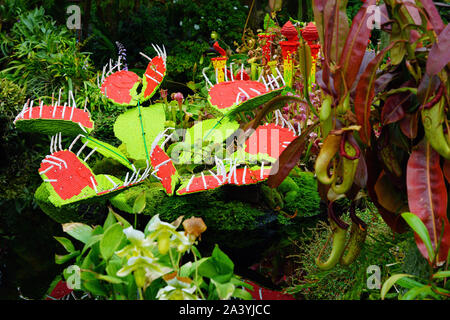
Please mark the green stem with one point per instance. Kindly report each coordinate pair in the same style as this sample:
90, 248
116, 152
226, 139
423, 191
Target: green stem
178, 262
143, 133
242, 117
307, 152
166, 106
196, 278
185, 121
300, 10
180, 109
174, 115
141, 295
174, 266
213, 128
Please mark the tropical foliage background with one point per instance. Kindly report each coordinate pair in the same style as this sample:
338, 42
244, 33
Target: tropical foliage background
402, 75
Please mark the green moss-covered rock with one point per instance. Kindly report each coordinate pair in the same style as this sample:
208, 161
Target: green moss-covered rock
307, 199
212, 206
154, 194
233, 224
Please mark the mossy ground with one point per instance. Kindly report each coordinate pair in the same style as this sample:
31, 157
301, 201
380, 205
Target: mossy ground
307, 201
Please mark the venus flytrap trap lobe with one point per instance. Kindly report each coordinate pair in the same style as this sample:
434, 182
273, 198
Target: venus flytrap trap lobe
121, 86
51, 119
69, 179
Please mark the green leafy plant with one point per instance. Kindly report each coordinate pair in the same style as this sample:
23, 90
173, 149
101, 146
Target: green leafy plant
119, 262
417, 288
44, 57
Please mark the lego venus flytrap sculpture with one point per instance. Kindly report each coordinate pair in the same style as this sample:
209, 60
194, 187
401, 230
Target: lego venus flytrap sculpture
239, 93
68, 178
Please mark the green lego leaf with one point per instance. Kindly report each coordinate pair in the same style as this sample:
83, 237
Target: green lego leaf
107, 150
138, 127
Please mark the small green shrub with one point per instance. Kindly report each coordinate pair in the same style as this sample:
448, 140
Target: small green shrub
12, 98
44, 57
184, 57
21, 156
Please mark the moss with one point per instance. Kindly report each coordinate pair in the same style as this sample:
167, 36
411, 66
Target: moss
154, 196
307, 200
288, 185
232, 224
217, 213
283, 220
414, 263
272, 197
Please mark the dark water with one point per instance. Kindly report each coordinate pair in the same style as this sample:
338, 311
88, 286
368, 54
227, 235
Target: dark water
27, 250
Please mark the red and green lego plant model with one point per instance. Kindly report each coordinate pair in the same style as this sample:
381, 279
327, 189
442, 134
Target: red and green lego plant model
67, 177
236, 94
51, 119
121, 87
